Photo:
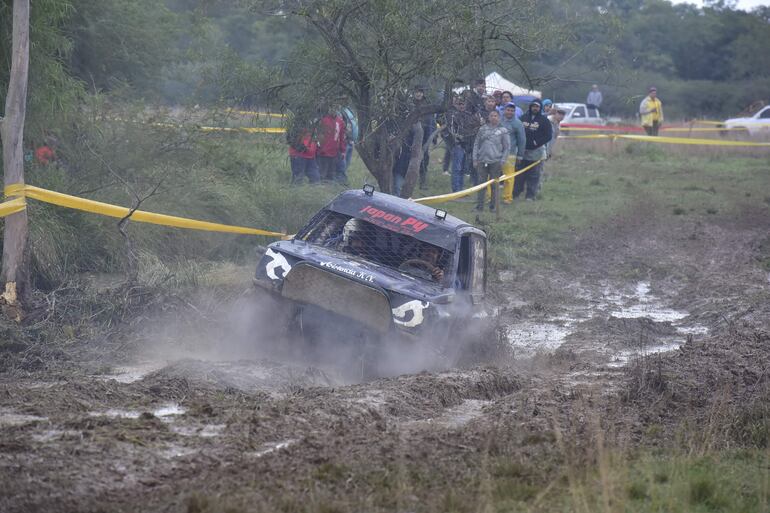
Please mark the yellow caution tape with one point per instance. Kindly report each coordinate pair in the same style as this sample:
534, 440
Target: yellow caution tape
11, 207
465, 192
592, 136
696, 129
668, 140
688, 140
249, 130
664, 129
106, 209
252, 113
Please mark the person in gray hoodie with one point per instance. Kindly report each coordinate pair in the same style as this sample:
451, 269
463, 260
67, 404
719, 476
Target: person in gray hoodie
490, 151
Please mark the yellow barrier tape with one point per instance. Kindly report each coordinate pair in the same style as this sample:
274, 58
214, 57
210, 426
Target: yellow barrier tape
253, 113
696, 129
249, 130
465, 192
11, 207
668, 140
688, 140
664, 129
141, 216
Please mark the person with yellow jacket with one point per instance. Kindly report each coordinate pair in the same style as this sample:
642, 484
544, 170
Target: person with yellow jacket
651, 112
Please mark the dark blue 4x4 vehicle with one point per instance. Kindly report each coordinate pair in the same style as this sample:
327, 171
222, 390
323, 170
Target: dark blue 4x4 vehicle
376, 267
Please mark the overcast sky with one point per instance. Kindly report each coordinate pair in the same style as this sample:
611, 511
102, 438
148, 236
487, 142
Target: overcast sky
746, 5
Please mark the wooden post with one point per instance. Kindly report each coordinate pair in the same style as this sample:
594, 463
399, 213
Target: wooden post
14, 268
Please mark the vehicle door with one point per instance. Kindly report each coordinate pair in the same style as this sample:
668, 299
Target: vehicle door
579, 115
471, 267
763, 120
593, 115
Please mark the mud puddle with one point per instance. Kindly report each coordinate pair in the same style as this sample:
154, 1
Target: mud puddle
10, 418
453, 417
165, 412
584, 318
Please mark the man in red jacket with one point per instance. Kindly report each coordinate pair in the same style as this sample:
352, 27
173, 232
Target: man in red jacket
331, 144
302, 155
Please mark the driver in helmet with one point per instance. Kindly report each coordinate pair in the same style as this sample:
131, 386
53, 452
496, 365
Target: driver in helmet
355, 245
426, 265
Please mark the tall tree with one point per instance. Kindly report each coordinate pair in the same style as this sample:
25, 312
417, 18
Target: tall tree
14, 268
370, 54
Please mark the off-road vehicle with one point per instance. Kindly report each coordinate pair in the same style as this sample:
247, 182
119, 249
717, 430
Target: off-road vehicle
374, 267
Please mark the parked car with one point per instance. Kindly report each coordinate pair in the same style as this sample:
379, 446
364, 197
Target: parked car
758, 124
375, 269
580, 114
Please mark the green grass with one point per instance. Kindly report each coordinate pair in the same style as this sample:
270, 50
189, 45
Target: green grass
243, 179
728, 482
586, 188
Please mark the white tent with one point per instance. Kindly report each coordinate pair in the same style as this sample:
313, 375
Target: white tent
495, 81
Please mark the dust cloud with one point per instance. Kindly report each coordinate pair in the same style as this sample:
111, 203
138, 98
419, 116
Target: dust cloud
254, 341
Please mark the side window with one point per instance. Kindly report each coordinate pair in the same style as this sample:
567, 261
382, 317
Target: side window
464, 263
765, 113
478, 267
579, 112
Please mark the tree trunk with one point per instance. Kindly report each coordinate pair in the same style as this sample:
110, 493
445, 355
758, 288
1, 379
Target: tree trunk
377, 153
15, 272
415, 159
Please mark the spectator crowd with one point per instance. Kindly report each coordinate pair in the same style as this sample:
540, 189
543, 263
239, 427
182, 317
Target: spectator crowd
484, 135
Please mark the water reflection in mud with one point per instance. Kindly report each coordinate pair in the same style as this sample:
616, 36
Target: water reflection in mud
546, 333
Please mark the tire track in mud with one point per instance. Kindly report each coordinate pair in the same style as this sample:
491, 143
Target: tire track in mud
257, 431
125, 442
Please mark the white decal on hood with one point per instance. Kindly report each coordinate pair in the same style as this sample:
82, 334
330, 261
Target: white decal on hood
400, 313
278, 262
350, 272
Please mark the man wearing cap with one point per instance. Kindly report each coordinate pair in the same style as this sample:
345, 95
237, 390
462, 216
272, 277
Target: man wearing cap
594, 98
490, 151
539, 132
547, 104
651, 112
458, 128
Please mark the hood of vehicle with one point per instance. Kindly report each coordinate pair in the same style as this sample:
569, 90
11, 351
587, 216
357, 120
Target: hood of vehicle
734, 121
280, 257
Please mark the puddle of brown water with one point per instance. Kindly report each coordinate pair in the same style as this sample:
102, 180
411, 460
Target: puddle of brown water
164, 412
454, 417
546, 335
11, 418
205, 431
272, 447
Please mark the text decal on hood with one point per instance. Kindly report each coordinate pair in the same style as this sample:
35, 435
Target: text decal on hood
350, 272
392, 221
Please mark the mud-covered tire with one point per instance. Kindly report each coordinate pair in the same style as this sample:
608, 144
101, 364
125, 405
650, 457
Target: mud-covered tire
264, 320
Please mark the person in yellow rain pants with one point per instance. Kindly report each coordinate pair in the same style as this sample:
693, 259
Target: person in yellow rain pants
651, 112
518, 144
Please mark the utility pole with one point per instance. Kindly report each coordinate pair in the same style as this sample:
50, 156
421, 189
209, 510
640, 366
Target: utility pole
15, 271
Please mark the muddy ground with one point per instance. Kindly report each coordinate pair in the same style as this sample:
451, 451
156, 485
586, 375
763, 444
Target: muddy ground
646, 334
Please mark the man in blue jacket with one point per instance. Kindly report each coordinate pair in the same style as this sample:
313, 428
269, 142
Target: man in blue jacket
518, 144
538, 132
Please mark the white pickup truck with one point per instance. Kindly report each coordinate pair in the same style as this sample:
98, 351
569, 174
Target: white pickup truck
758, 124
580, 114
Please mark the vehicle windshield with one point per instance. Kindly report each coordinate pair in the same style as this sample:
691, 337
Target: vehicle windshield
366, 241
